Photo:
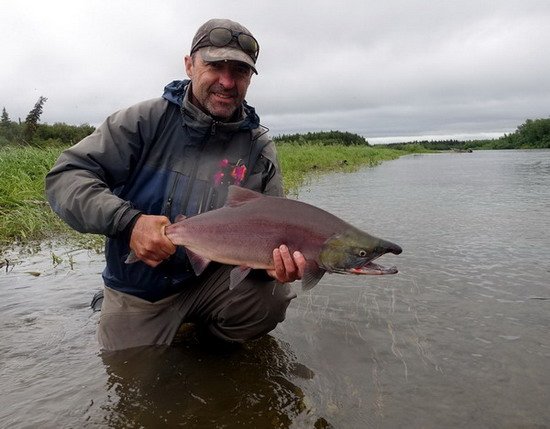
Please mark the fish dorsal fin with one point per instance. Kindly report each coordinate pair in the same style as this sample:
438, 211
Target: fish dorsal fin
179, 218
238, 196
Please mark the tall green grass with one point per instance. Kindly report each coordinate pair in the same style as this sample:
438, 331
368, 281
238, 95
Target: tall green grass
300, 162
25, 215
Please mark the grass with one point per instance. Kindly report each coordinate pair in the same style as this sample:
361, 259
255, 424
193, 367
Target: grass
26, 217
299, 162
24, 213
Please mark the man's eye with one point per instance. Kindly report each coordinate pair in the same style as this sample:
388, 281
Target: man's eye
242, 70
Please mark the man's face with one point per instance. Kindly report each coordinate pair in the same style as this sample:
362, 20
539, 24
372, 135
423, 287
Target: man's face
219, 88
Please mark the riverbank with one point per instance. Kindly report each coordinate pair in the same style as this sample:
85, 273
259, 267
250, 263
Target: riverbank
26, 217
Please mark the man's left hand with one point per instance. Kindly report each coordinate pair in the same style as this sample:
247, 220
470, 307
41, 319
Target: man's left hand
287, 267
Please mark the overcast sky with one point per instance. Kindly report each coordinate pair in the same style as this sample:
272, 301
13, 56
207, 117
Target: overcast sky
388, 70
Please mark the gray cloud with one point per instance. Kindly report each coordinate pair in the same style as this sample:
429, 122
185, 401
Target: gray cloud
382, 69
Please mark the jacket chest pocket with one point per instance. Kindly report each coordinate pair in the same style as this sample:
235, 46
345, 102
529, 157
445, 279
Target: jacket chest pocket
263, 171
187, 197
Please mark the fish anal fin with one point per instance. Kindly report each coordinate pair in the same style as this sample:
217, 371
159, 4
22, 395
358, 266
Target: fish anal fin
237, 275
237, 196
312, 275
199, 263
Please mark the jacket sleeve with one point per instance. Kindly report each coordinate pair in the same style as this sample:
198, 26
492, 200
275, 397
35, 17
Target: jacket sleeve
80, 185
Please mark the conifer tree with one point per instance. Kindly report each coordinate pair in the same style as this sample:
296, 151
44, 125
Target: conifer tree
8, 129
31, 122
5, 118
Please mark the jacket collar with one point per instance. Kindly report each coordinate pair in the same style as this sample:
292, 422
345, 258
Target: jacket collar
176, 92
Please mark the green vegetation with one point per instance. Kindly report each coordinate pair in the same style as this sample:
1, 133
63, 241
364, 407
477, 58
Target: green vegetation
303, 155
300, 161
44, 135
324, 138
24, 212
529, 135
533, 134
32, 133
27, 152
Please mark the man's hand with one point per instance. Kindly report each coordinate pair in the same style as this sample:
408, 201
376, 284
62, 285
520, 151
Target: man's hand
287, 267
148, 240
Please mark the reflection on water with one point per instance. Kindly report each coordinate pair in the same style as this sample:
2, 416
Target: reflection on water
459, 338
197, 386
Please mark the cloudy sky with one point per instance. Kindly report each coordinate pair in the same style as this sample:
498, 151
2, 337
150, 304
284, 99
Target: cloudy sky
391, 71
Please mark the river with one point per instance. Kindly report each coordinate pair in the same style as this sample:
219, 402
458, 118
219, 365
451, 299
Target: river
460, 337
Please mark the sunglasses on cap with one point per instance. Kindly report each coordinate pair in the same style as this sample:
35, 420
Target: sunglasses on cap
221, 37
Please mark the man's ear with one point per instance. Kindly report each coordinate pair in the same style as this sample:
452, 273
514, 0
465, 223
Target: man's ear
188, 62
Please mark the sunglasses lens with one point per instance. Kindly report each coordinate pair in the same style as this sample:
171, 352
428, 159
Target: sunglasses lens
220, 37
248, 43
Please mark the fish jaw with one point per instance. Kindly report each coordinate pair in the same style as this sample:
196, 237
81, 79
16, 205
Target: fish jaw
373, 269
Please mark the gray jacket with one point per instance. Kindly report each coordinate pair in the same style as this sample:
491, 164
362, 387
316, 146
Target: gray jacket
163, 157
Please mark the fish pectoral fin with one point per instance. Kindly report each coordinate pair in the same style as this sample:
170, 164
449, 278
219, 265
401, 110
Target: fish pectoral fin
312, 275
237, 275
198, 262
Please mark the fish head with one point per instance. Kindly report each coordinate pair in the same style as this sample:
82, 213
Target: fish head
353, 251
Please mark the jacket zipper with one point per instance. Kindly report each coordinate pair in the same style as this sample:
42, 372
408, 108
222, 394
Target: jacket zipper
168, 207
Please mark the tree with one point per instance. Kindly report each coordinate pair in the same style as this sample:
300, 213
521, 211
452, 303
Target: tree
9, 130
31, 122
5, 118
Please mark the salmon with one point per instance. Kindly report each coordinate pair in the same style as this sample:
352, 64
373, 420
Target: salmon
250, 225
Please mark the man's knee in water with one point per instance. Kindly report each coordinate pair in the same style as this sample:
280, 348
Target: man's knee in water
253, 313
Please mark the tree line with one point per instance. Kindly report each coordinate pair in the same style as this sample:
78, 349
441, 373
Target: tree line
532, 134
324, 138
32, 133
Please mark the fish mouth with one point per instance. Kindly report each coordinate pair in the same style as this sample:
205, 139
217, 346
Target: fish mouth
370, 268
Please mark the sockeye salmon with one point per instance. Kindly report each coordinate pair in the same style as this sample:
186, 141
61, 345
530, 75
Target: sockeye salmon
250, 225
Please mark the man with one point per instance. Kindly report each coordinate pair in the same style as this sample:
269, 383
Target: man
177, 155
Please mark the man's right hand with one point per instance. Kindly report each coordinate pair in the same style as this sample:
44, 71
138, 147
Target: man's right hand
148, 240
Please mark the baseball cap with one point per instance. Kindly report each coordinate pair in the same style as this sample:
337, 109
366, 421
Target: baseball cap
226, 40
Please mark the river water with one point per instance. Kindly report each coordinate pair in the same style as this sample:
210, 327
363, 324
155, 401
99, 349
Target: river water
459, 338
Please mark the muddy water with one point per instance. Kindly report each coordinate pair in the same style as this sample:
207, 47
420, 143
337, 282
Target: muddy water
459, 338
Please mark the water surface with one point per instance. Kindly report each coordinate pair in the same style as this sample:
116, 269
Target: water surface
459, 338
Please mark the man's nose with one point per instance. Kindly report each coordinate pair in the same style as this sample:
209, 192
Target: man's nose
226, 78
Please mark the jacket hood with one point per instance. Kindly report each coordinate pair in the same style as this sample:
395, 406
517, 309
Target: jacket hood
175, 91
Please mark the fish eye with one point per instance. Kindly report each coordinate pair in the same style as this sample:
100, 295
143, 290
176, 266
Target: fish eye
362, 253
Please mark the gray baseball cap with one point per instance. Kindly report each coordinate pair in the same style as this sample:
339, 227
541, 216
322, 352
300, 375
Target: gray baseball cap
226, 40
